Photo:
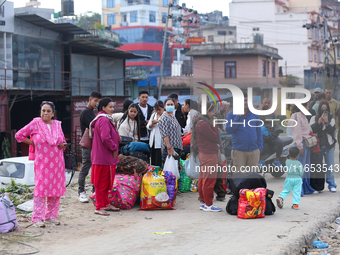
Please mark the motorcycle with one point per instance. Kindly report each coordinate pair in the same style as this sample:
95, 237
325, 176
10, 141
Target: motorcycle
270, 156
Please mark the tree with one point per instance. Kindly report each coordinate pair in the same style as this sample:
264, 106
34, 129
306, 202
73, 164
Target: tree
87, 20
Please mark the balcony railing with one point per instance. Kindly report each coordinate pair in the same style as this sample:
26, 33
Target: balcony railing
234, 46
33, 80
134, 2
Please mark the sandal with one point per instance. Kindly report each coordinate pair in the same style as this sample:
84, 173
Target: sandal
111, 209
102, 213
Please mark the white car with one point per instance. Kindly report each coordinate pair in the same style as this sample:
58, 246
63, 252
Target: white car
21, 170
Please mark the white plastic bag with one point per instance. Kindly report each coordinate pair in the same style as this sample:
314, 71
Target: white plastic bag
190, 167
171, 165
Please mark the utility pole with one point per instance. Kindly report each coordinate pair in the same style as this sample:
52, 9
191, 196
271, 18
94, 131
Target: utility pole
163, 52
325, 25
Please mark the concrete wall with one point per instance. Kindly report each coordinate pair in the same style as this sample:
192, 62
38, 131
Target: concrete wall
283, 31
247, 67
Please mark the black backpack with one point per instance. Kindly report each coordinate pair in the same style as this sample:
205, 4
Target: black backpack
141, 155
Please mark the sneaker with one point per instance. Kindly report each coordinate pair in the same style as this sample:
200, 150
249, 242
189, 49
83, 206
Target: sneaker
53, 221
277, 164
83, 198
211, 208
202, 205
295, 207
332, 189
279, 202
261, 163
316, 192
40, 224
222, 199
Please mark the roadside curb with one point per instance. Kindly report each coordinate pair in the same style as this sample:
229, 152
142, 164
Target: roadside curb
297, 246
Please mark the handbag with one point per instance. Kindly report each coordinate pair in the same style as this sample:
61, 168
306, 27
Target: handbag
311, 141
70, 159
86, 141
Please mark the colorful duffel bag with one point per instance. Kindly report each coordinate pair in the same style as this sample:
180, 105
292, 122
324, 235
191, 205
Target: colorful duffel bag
252, 203
125, 191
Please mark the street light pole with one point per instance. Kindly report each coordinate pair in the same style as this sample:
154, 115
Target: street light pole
163, 52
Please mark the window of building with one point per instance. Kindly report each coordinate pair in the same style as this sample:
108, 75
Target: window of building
315, 56
165, 3
110, 3
278, 9
111, 19
338, 50
273, 69
230, 32
147, 2
321, 32
152, 16
200, 33
155, 55
314, 34
321, 57
230, 69
310, 55
164, 14
264, 62
256, 29
221, 32
133, 16
210, 38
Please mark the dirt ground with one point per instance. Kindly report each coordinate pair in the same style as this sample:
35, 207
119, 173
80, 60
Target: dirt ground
188, 229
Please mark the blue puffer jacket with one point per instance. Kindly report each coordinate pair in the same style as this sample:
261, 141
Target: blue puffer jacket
245, 137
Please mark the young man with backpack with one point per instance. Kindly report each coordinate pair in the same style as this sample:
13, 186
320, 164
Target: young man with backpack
86, 116
144, 113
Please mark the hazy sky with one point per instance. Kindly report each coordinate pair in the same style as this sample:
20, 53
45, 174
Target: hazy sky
82, 6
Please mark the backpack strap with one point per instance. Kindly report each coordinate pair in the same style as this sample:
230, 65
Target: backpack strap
122, 120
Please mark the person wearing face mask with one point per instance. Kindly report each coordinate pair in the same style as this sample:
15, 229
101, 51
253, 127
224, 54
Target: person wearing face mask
47, 144
205, 138
324, 126
155, 135
104, 155
86, 116
170, 131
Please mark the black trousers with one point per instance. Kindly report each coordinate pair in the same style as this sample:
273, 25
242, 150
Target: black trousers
218, 188
156, 156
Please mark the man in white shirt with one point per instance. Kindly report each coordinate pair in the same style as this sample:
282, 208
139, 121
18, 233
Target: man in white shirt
144, 114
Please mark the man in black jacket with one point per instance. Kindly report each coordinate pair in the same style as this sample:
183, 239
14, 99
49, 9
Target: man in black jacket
86, 116
144, 113
179, 113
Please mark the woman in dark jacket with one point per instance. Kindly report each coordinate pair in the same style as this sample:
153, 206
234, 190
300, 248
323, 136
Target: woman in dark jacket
323, 125
205, 138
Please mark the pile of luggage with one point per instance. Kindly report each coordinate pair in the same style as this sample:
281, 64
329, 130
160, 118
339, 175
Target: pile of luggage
251, 198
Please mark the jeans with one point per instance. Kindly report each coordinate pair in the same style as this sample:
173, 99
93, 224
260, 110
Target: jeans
305, 161
85, 167
329, 160
289, 131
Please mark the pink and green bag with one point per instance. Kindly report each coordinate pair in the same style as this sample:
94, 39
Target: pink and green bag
125, 191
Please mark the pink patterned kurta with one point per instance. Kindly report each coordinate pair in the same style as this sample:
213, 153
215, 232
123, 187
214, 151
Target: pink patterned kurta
49, 165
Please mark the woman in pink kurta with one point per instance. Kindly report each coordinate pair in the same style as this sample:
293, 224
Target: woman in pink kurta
47, 143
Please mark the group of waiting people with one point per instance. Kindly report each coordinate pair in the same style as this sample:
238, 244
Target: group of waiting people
249, 142
162, 127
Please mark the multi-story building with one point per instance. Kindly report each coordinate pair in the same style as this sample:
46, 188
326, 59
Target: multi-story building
140, 25
281, 22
